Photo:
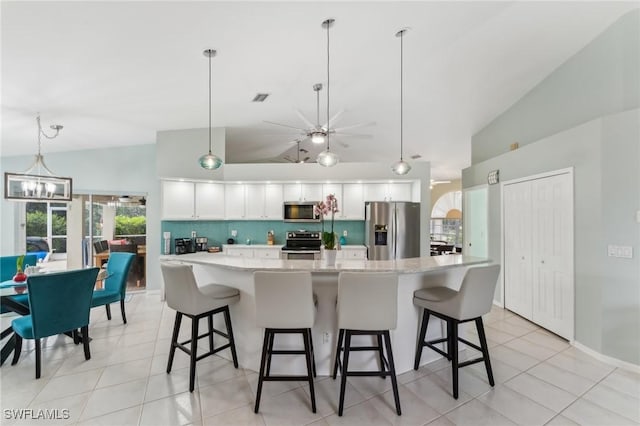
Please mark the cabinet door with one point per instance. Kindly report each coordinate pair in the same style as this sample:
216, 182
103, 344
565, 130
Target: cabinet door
359, 253
177, 200
234, 201
239, 252
273, 199
312, 192
552, 246
400, 191
375, 192
292, 192
352, 206
518, 288
267, 253
254, 207
209, 200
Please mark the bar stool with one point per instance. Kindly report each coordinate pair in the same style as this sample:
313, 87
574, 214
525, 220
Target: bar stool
473, 300
367, 305
284, 305
184, 295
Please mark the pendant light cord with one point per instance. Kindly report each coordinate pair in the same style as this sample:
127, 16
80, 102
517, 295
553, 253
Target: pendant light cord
209, 104
328, 124
401, 92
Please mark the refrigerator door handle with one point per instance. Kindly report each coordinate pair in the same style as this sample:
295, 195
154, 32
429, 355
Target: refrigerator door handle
395, 231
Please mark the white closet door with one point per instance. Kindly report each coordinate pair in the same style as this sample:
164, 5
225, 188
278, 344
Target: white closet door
518, 280
552, 206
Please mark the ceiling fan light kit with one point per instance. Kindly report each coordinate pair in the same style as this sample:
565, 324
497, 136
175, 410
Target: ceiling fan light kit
210, 161
327, 158
401, 167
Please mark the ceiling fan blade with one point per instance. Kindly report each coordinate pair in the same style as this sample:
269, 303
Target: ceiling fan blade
286, 125
342, 144
308, 123
333, 119
354, 126
354, 135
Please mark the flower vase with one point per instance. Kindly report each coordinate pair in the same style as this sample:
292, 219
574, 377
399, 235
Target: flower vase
330, 257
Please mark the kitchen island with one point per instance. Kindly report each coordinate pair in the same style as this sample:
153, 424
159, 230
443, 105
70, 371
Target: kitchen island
413, 273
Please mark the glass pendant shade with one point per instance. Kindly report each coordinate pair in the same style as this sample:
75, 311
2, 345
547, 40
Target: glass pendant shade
210, 161
401, 167
317, 137
327, 159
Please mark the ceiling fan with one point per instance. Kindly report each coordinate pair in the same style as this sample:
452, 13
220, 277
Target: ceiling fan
316, 132
298, 159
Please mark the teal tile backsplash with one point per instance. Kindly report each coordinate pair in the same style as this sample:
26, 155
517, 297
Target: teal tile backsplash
218, 231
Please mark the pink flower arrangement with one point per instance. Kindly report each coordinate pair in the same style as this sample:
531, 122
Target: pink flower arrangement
323, 208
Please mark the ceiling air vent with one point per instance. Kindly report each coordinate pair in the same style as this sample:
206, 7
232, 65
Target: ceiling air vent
260, 97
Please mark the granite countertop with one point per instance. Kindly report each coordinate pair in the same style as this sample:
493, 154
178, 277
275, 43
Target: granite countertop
403, 266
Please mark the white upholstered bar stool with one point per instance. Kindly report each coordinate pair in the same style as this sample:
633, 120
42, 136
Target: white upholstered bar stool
469, 303
284, 305
367, 305
184, 295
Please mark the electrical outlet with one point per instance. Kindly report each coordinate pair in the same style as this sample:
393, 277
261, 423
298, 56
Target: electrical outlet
345, 233
325, 337
234, 233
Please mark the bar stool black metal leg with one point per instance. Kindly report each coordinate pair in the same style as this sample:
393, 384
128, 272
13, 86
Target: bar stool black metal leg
210, 324
194, 352
345, 369
450, 342
174, 340
313, 356
232, 342
392, 370
485, 349
263, 359
421, 339
272, 337
338, 349
306, 334
453, 351
381, 356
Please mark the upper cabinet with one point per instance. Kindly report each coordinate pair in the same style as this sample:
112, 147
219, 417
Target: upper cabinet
395, 191
263, 201
234, 201
352, 201
302, 192
192, 200
178, 200
209, 201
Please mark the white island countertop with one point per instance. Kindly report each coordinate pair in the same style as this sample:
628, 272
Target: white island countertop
402, 266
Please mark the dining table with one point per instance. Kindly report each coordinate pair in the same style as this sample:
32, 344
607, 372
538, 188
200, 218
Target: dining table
7, 289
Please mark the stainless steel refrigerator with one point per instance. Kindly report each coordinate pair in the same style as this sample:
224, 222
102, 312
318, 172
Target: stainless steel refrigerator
392, 230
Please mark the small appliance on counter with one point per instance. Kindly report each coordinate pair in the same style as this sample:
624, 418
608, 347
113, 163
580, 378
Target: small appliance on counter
202, 243
184, 246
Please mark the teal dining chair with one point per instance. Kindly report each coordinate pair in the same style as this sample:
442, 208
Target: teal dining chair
115, 285
8, 270
59, 302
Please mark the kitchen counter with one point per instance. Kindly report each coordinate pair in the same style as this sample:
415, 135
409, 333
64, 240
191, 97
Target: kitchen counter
413, 273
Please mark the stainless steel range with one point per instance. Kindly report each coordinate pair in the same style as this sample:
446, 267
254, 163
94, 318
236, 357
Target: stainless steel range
302, 245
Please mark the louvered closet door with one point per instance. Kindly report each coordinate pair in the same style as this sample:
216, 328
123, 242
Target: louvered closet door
553, 293
518, 285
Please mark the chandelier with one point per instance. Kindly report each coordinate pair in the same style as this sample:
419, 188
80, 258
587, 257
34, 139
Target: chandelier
38, 183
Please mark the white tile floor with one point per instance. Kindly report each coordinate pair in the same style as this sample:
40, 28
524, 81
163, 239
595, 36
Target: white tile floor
540, 379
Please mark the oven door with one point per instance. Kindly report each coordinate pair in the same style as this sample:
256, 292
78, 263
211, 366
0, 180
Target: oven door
300, 255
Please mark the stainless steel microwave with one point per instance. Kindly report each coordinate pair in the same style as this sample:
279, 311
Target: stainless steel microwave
299, 212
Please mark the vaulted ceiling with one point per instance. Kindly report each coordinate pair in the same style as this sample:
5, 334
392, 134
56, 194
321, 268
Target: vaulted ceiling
114, 73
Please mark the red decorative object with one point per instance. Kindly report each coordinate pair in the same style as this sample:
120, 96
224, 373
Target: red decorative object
20, 277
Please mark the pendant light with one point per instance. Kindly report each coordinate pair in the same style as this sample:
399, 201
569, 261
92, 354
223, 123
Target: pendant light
210, 161
401, 167
328, 158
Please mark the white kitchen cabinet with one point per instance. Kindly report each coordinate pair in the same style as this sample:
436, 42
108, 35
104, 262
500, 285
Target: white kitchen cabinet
178, 200
396, 191
352, 253
352, 202
209, 200
267, 253
263, 201
261, 251
332, 188
273, 199
302, 192
538, 251
234, 201
237, 251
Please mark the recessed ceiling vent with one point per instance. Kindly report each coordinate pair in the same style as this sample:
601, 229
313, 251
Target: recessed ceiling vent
260, 97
